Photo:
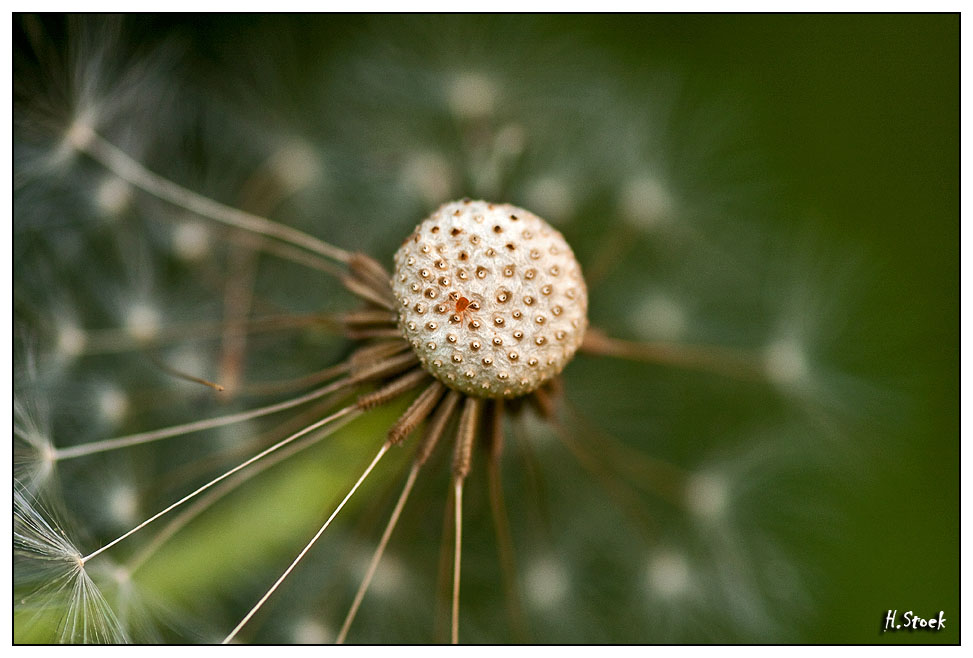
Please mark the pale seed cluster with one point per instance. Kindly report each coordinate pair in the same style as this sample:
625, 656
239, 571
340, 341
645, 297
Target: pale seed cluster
491, 298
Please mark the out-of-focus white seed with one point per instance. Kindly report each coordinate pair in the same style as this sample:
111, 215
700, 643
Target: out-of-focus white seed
122, 504
71, 340
660, 317
390, 577
471, 96
307, 630
113, 196
429, 174
546, 583
511, 140
551, 197
785, 363
113, 404
190, 241
668, 574
707, 495
646, 202
142, 322
80, 133
296, 165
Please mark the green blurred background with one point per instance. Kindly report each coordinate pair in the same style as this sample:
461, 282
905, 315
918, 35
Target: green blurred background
860, 115
853, 121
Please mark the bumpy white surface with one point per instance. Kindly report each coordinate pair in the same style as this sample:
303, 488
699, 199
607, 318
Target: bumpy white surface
528, 301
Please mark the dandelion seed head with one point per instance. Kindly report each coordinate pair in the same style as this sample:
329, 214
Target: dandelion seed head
646, 202
546, 583
668, 574
786, 364
113, 196
492, 296
142, 321
471, 95
190, 241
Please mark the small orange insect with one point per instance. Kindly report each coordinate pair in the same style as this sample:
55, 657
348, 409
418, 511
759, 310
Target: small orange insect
463, 307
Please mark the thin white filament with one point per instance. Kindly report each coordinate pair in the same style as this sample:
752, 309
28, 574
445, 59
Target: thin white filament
106, 445
373, 565
188, 497
219, 493
314, 539
457, 558
130, 170
109, 341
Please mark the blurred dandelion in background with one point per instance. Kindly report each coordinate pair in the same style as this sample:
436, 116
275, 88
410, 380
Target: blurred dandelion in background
763, 405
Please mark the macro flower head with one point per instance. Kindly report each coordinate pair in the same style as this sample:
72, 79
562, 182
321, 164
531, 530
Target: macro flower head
424, 329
